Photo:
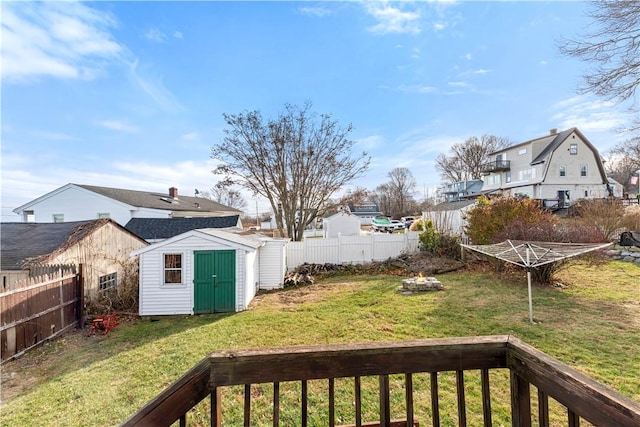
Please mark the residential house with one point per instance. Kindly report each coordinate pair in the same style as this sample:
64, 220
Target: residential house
366, 211
77, 202
102, 246
462, 190
557, 168
156, 229
208, 271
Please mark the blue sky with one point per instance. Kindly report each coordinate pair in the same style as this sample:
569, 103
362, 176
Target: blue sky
131, 94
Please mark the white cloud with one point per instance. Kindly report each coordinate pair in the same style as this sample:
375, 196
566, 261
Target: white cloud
459, 84
177, 35
55, 39
439, 26
371, 142
155, 35
318, 11
588, 115
153, 87
117, 125
191, 136
392, 20
417, 89
468, 57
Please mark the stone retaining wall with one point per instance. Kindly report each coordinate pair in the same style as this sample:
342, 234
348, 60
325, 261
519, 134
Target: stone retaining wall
624, 253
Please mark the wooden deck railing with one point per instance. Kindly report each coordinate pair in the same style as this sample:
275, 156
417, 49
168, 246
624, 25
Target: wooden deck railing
582, 397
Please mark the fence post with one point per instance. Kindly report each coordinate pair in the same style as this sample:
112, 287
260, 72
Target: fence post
80, 290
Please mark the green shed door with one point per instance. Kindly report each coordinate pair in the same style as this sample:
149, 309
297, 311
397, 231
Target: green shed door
214, 281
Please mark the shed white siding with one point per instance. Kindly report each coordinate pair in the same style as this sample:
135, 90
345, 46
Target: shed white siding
272, 265
156, 298
251, 266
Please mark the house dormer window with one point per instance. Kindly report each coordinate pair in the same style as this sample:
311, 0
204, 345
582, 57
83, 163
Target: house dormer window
573, 149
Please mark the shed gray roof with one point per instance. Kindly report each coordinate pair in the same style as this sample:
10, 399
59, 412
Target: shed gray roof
154, 200
164, 228
22, 241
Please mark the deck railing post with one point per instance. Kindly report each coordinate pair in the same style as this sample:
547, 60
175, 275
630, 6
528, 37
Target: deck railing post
520, 402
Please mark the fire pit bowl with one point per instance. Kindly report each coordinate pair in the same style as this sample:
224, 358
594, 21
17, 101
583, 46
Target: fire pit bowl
420, 283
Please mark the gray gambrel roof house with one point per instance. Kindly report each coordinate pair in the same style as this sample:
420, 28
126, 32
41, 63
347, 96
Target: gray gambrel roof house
156, 229
78, 202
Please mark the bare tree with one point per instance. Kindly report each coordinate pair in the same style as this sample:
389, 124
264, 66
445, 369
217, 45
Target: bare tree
465, 160
612, 47
382, 196
402, 185
225, 193
296, 161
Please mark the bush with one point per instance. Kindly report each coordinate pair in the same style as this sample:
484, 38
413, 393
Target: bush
491, 221
605, 214
123, 299
436, 242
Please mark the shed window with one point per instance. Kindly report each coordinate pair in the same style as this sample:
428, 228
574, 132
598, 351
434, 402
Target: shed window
172, 268
107, 281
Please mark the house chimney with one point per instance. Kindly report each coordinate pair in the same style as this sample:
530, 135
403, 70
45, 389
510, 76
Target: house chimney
173, 192
553, 131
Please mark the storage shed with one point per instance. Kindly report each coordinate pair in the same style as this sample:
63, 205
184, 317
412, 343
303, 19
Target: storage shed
208, 271
341, 224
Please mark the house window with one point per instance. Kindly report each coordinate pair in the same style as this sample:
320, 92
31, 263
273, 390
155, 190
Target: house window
507, 176
107, 281
563, 170
573, 149
104, 215
522, 151
173, 269
29, 216
58, 217
583, 170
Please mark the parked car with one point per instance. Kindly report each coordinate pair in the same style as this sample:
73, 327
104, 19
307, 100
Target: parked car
382, 223
407, 221
397, 225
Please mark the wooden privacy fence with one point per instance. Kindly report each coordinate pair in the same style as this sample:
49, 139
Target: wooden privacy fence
351, 249
38, 309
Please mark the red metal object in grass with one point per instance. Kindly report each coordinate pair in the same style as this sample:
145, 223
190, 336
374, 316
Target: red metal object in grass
104, 323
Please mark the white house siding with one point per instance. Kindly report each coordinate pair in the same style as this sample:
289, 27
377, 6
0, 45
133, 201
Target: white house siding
104, 251
78, 204
156, 298
449, 221
272, 266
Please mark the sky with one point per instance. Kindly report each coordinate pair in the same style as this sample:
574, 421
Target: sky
132, 94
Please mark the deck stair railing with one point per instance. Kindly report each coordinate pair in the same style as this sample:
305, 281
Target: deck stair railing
582, 397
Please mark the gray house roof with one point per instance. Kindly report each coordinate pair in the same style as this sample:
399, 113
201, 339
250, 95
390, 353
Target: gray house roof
164, 228
21, 242
154, 200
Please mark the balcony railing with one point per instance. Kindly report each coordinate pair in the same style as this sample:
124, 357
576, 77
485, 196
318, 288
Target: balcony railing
420, 366
496, 166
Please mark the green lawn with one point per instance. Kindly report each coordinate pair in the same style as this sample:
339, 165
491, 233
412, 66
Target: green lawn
591, 323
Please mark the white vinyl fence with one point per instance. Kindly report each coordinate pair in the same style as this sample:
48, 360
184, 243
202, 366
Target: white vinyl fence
351, 250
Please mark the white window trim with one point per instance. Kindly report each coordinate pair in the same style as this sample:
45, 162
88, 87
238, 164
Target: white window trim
182, 269
561, 169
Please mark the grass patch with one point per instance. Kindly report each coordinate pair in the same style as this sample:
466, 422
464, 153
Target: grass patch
591, 322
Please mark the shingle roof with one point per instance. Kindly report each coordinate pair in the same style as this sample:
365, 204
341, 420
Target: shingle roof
164, 228
153, 200
21, 241
451, 206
